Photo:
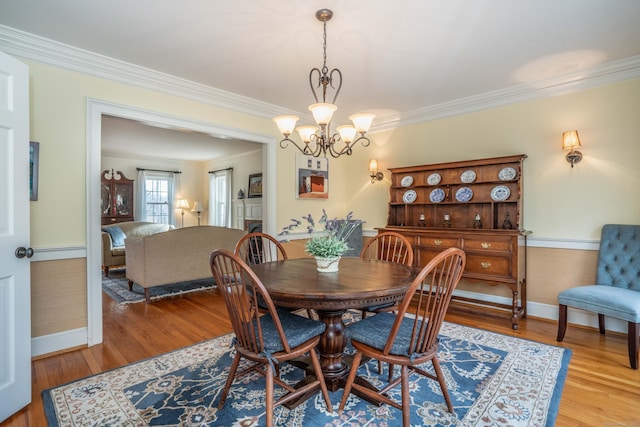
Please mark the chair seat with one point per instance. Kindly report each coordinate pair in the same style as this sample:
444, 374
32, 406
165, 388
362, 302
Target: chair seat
611, 301
374, 331
296, 328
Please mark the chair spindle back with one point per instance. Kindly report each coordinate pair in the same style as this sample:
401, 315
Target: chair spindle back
430, 293
389, 246
242, 291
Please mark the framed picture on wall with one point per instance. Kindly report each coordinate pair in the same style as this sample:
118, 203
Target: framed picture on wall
312, 177
34, 165
255, 185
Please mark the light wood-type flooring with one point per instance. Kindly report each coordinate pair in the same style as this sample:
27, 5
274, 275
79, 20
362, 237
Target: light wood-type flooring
600, 390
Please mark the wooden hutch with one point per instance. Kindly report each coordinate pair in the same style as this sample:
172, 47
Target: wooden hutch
116, 197
475, 205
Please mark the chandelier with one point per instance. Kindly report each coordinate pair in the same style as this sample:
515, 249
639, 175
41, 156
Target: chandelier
318, 140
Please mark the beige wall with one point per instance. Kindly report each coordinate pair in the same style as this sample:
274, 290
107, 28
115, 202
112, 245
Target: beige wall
243, 166
58, 121
560, 203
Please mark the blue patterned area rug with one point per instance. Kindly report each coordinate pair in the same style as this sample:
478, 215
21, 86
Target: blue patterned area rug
117, 288
493, 379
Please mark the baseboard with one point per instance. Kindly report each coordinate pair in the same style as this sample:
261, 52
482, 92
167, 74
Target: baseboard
550, 312
53, 343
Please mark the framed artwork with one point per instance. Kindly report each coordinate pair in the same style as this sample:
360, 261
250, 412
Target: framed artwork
255, 185
34, 160
312, 177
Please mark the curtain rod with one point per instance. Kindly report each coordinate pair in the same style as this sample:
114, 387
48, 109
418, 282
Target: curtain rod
157, 170
220, 170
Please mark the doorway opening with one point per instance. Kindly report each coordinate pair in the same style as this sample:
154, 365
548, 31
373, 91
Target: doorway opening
95, 111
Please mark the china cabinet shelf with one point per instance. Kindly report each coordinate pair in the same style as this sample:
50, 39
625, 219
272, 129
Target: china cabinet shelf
475, 205
116, 202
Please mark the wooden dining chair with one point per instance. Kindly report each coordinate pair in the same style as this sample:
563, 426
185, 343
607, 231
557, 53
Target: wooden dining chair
408, 341
256, 248
266, 339
387, 246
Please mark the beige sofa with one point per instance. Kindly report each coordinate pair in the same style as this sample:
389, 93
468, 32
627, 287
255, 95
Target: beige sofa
176, 256
113, 255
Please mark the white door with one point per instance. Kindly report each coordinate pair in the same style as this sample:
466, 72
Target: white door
15, 278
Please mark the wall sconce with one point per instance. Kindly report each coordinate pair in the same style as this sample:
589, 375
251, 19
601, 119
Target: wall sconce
374, 174
182, 205
571, 140
197, 207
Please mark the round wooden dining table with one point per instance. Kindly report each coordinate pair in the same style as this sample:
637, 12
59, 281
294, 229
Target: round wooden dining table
359, 283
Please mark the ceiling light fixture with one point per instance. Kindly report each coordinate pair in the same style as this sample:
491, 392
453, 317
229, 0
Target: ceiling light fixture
320, 143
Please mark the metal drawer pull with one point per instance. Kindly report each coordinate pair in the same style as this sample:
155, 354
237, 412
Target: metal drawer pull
437, 242
485, 264
485, 245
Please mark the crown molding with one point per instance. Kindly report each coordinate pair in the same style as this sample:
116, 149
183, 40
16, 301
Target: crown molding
600, 75
35, 48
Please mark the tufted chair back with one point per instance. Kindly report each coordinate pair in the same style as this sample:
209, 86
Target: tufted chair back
619, 257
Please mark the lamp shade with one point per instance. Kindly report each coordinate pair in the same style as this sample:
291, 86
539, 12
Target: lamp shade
347, 133
373, 165
305, 132
362, 121
183, 204
197, 207
322, 112
570, 140
286, 123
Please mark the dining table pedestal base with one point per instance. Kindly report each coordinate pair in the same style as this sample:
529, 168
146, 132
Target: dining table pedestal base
334, 363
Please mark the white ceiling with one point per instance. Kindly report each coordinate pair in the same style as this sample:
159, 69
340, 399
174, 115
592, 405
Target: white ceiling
128, 138
396, 57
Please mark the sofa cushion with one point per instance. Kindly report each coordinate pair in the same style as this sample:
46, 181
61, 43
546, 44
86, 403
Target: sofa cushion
117, 236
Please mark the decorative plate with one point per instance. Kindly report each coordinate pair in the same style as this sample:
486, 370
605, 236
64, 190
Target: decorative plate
434, 179
500, 193
437, 195
507, 174
468, 176
406, 181
464, 194
409, 196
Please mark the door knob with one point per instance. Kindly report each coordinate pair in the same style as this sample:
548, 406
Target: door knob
22, 252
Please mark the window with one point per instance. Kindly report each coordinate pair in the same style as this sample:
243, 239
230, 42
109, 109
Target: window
156, 194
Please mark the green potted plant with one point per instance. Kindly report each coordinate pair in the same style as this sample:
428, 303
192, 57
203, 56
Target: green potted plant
328, 244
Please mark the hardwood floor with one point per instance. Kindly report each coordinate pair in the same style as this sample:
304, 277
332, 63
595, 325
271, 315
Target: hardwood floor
600, 390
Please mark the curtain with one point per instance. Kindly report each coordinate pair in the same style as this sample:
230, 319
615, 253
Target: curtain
140, 202
220, 208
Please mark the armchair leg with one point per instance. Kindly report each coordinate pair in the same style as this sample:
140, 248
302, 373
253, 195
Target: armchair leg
634, 341
601, 323
562, 322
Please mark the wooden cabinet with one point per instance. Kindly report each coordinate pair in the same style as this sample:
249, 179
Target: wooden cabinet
475, 205
116, 194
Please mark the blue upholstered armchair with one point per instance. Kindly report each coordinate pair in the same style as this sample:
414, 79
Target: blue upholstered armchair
617, 289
